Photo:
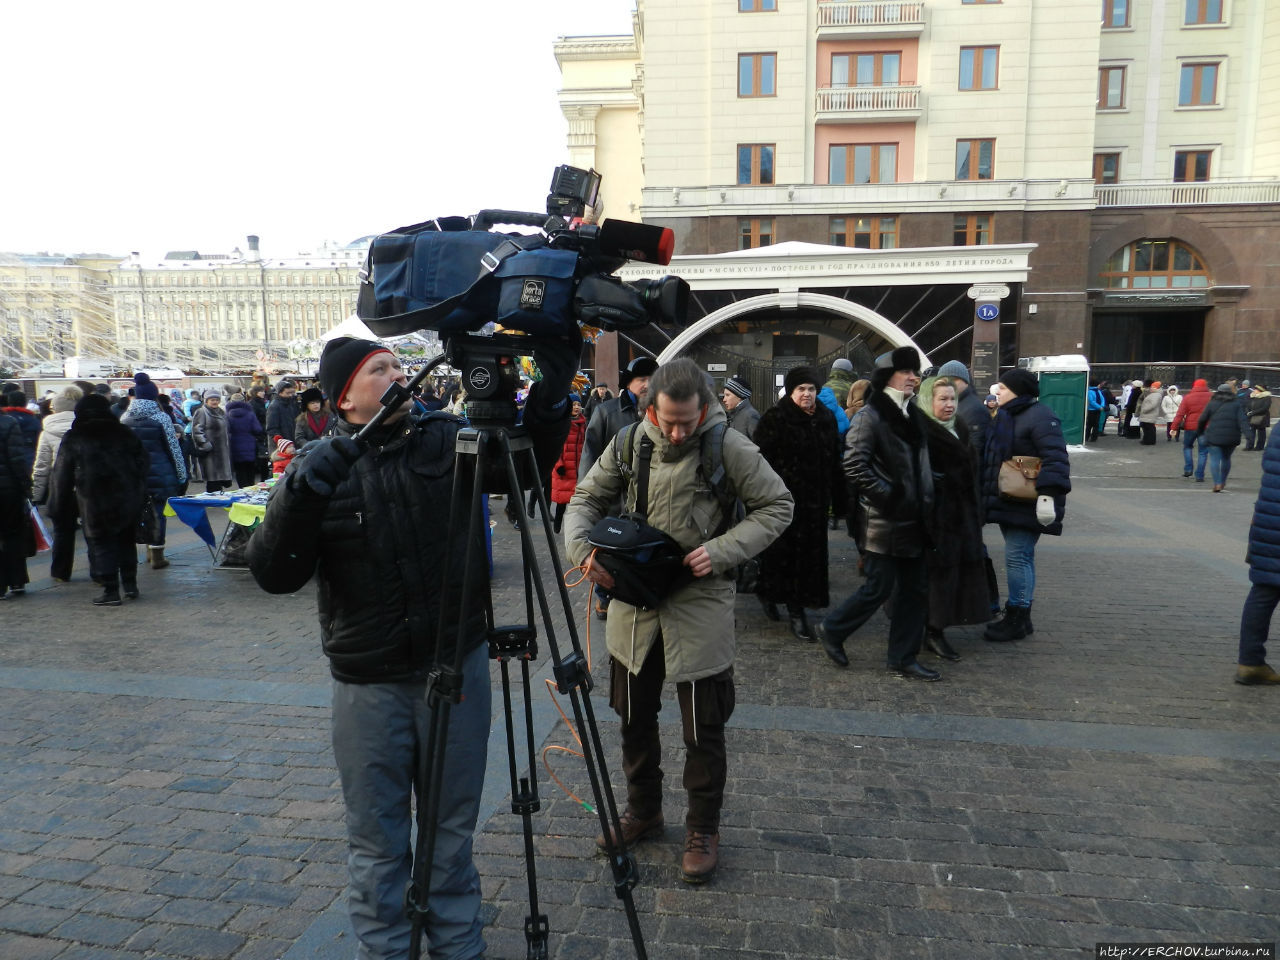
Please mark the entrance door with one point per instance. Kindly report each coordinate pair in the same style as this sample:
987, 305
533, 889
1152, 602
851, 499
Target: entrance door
1144, 337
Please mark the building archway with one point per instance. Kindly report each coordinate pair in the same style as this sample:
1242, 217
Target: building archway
791, 300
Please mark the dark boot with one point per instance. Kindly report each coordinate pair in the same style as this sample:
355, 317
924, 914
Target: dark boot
770, 609
1014, 625
935, 641
110, 596
800, 624
158, 562
130, 589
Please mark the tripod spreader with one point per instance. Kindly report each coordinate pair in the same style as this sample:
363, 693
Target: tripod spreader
572, 672
444, 683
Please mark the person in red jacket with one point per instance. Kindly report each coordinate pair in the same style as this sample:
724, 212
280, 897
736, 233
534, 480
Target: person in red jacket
564, 476
1186, 421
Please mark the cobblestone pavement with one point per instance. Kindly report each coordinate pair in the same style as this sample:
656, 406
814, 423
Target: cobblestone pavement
168, 789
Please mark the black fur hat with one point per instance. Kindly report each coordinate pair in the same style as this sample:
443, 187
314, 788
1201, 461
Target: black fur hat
887, 364
798, 375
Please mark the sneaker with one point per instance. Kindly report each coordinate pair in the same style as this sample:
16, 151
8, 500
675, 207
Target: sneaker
130, 591
701, 856
19, 591
635, 830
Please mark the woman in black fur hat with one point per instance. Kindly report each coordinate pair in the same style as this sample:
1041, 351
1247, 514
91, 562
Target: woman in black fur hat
101, 471
800, 440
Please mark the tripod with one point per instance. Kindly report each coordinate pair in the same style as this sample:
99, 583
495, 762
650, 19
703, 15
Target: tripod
487, 459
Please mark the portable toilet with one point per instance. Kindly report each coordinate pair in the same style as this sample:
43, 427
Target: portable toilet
1064, 387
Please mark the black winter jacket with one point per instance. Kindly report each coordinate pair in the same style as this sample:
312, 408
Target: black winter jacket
101, 470
886, 462
281, 415
15, 477
377, 548
1223, 422
605, 423
1037, 432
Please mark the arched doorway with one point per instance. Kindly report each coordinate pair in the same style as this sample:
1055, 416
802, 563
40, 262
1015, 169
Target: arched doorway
1154, 303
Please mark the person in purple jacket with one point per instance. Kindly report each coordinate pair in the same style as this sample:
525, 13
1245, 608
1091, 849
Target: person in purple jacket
245, 432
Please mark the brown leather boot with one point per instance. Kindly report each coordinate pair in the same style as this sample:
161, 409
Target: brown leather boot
1259, 674
634, 830
158, 562
701, 855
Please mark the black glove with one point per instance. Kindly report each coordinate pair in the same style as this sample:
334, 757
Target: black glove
325, 464
557, 360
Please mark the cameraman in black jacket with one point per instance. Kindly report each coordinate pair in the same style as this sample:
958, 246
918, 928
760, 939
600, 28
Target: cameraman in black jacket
368, 522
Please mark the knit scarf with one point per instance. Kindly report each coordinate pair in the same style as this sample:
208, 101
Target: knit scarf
318, 426
1000, 431
140, 410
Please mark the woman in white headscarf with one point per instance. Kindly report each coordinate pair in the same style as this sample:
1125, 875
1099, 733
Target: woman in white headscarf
959, 590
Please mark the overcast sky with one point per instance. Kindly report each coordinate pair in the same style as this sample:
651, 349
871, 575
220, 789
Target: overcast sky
159, 125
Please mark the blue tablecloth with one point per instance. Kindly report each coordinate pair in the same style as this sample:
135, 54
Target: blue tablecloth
191, 510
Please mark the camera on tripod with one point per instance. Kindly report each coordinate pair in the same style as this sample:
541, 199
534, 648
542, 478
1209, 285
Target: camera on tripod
455, 274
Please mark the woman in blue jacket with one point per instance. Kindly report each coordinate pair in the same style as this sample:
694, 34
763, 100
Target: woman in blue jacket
1264, 573
1023, 427
1222, 425
166, 465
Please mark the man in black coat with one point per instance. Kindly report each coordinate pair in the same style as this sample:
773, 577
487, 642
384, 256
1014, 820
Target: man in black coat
283, 411
369, 521
886, 461
15, 489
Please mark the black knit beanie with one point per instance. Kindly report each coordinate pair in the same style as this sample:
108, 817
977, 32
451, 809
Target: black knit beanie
143, 388
798, 375
1022, 382
341, 359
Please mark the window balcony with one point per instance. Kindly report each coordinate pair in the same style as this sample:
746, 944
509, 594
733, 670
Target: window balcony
884, 102
928, 196
854, 19
1165, 193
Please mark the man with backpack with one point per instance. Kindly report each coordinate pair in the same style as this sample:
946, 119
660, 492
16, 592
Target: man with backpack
688, 637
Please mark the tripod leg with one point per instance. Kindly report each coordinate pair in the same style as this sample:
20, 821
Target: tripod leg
444, 689
574, 678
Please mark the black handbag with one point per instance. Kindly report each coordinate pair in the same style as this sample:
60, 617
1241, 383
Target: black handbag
647, 565
149, 527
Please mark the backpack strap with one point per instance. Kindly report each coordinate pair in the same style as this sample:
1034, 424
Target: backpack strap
642, 476
713, 471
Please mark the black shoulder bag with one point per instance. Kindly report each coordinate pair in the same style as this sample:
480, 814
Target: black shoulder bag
647, 565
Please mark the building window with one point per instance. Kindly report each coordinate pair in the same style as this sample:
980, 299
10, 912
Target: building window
1190, 166
1198, 85
1111, 88
756, 6
871, 233
979, 67
1115, 13
755, 163
862, 163
757, 74
971, 229
755, 232
866, 69
1153, 265
975, 159
1106, 168
1203, 11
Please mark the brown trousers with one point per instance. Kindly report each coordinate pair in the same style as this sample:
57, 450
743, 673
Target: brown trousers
705, 708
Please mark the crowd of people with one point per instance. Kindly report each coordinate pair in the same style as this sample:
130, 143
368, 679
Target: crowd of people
104, 463
1211, 424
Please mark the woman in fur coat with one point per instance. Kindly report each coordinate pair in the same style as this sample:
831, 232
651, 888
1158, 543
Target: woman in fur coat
212, 442
101, 471
959, 591
800, 440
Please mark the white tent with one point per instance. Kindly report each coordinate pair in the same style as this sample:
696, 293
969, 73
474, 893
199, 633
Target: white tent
353, 326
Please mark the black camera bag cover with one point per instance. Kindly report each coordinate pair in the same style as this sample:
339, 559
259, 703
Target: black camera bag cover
647, 565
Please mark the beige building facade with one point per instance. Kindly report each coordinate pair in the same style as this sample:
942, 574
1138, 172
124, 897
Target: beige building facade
232, 313
1127, 144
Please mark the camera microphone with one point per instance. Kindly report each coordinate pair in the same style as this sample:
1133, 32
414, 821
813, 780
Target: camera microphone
637, 241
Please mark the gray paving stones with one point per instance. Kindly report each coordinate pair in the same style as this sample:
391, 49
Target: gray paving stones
168, 789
